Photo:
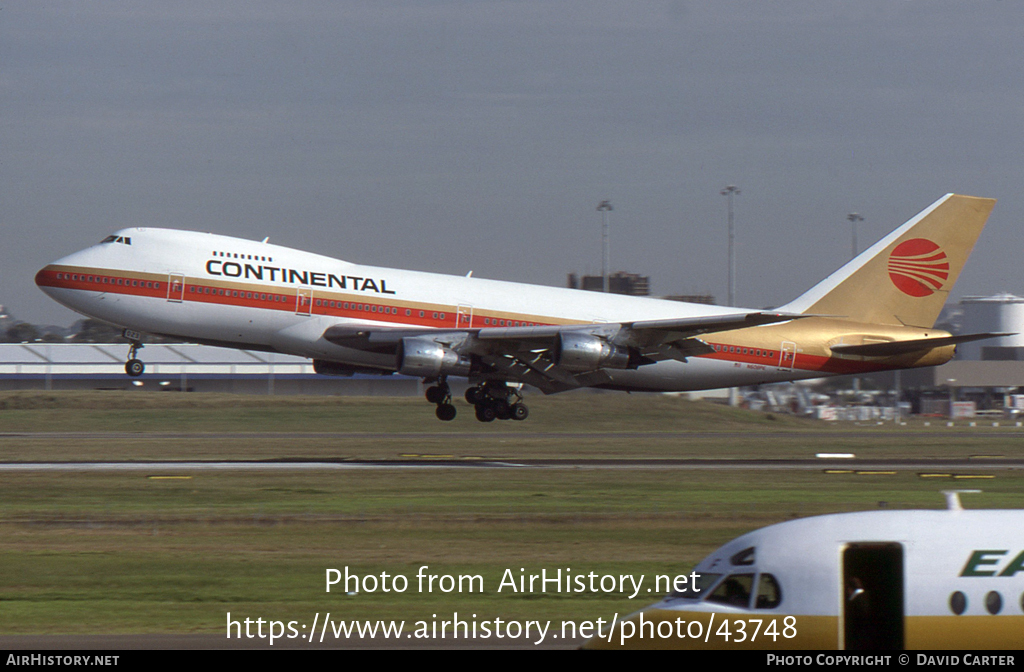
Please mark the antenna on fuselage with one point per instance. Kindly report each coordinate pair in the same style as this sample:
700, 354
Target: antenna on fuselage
265, 239
953, 499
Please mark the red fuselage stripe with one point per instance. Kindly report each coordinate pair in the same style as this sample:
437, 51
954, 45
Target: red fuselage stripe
240, 295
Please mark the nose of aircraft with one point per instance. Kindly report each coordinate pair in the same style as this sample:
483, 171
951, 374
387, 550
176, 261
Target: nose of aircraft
46, 278
62, 272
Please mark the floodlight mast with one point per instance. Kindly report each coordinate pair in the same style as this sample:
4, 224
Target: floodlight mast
729, 192
604, 207
853, 218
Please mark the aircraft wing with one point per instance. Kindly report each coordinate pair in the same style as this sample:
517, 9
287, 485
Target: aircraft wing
533, 355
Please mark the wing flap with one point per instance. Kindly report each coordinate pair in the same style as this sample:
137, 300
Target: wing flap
525, 354
382, 339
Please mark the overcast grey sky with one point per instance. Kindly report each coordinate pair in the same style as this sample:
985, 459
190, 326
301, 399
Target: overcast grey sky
452, 136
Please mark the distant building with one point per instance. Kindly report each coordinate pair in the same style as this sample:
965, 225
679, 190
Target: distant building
182, 367
708, 299
619, 282
1002, 313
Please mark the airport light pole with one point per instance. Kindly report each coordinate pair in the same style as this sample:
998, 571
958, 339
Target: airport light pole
729, 192
604, 207
853, 218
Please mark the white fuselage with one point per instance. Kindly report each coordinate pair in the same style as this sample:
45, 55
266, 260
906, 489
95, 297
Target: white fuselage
228, 291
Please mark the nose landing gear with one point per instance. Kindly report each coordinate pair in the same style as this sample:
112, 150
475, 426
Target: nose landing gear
134, 367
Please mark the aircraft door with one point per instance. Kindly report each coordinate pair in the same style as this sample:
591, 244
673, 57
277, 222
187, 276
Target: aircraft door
303, 301
873, 596
176, 287
464, 317
787, 355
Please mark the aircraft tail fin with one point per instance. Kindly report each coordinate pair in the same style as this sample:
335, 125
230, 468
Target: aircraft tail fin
905, 278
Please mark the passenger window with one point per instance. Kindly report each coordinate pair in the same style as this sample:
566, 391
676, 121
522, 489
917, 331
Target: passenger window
734, 591
769, 595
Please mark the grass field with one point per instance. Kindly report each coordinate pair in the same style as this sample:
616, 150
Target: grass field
123, 552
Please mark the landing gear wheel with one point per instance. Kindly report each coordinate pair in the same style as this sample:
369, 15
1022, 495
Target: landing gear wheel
134, 366
474, 395
520, 412
485, 413
445, 412
502, 410
436, 394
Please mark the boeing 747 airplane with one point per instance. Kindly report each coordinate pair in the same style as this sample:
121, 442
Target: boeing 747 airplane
875, 313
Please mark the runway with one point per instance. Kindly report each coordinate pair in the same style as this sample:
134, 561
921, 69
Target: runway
973, 432
976, 463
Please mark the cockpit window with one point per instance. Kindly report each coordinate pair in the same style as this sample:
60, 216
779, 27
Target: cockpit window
698, 589
126, 240
108, 239
769, 594
734, 590
744, 557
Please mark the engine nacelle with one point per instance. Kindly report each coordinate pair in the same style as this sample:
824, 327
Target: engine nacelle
583, 352
425, 358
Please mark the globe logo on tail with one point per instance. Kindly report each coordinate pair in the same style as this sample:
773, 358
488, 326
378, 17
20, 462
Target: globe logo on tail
918, 267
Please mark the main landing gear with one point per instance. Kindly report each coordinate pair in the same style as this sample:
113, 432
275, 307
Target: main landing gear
497, 401
134, 366
441, 395
492, 401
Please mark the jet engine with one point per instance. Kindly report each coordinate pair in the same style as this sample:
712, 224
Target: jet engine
425, 358
584, 352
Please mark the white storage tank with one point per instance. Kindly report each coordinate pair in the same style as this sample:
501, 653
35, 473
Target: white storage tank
999, 313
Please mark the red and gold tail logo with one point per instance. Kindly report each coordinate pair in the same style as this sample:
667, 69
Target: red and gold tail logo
918, 267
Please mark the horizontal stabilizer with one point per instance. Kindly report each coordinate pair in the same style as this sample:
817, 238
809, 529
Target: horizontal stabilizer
893, 348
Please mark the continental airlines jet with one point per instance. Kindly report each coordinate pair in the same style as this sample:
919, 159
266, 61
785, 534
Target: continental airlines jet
877, 312
949, 579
